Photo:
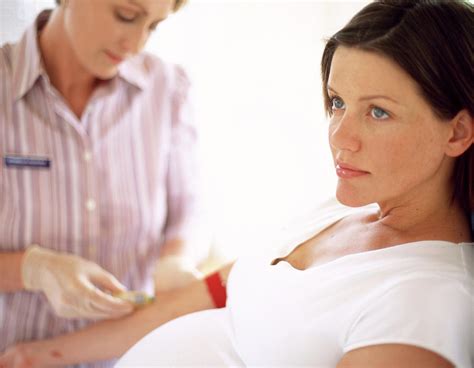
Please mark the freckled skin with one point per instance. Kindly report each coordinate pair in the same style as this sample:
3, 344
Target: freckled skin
404, 154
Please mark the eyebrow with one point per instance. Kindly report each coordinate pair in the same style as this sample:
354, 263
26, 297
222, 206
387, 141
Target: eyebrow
370, 97
134, 3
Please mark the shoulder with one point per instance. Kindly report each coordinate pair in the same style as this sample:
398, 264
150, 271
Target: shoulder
6, 77
426, 311
427, 291
424, 283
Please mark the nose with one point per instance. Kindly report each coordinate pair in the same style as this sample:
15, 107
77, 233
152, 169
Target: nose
344, 133
133, 41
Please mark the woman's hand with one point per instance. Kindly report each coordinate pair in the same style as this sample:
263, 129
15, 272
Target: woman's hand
111, 338
73, 285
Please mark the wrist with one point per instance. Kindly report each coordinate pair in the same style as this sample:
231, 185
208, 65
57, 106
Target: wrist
35, 260
10, 266
27, 270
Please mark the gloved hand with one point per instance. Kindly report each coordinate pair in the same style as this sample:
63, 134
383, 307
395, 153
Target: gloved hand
72, 283
173, 272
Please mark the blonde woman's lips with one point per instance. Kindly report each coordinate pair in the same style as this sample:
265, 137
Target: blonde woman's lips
114, 58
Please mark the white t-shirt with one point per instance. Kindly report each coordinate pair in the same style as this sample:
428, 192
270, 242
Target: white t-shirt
419, 293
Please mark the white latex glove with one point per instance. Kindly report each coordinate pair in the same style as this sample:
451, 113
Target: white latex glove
72, 283
173, 272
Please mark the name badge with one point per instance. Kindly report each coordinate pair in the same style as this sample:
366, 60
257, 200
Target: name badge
27, 162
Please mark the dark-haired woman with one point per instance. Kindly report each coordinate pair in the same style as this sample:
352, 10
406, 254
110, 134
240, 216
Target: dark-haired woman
98, 167
382, 277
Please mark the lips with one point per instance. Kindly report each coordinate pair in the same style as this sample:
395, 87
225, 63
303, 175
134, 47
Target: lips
115, 58
347, 171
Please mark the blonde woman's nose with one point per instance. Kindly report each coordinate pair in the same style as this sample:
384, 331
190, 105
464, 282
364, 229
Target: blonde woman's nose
133, 42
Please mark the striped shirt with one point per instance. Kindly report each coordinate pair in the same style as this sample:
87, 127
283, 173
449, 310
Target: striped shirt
111, 186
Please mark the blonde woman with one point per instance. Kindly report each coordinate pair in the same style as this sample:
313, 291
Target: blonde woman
98, 168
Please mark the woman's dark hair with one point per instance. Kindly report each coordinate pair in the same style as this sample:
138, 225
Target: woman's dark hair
178, 4
433, 41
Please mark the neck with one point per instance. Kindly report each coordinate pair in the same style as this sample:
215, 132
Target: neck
427, 212
65, 72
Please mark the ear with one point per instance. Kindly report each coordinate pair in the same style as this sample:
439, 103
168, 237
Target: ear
462, 134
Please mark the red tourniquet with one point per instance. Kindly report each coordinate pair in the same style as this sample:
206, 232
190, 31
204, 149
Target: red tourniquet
217, 289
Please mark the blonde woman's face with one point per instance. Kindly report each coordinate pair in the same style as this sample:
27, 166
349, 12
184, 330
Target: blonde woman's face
387, 143
103, 33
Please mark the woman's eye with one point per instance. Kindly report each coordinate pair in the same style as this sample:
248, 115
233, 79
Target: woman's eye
125, 16
337, 104
379, 114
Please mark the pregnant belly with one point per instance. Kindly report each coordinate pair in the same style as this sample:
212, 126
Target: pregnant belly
198, 339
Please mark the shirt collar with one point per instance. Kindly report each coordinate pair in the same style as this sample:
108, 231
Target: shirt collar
134, 72
26, 58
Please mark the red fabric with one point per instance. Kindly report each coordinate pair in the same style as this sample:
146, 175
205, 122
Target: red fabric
217, 289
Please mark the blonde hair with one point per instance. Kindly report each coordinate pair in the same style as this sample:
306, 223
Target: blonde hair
178, 4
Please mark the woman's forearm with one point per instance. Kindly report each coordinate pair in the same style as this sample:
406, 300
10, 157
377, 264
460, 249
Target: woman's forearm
10, 264
112, 338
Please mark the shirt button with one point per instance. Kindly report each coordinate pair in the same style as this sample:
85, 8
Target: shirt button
87, 156
90, 205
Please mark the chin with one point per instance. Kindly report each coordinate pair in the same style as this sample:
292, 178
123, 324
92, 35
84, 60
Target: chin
107, 73
351, 198
103, 72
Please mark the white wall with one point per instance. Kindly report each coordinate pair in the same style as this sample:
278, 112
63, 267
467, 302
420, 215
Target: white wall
15, 15
255, 67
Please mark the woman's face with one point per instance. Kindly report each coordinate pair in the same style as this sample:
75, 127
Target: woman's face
387, 144
103, 33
